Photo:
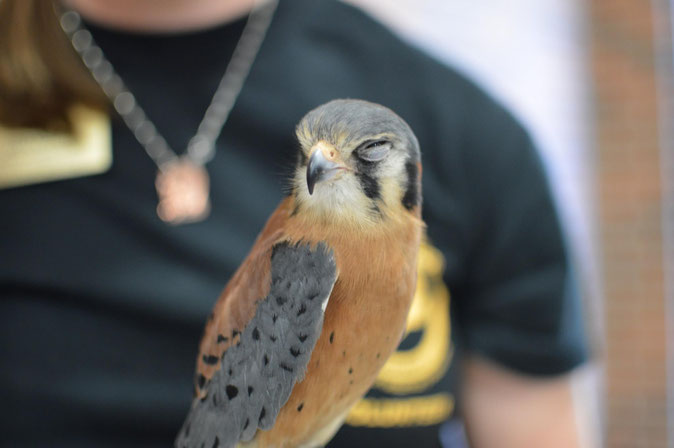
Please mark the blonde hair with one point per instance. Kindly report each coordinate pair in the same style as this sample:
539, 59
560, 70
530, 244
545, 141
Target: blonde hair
41, 76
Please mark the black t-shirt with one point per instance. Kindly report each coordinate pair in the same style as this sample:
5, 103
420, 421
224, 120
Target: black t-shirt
102, 304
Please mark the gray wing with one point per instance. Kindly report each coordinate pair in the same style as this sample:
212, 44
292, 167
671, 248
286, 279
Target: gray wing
258, 374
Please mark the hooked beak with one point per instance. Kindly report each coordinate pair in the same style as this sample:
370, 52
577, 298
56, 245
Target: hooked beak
320, 168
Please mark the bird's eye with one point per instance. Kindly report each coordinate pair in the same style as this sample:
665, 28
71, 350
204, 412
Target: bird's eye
373, 151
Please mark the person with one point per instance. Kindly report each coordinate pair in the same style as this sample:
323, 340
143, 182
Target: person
103, 302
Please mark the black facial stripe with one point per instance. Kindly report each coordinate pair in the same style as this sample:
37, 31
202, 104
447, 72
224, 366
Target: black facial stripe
365, 172
369, 184
412, 195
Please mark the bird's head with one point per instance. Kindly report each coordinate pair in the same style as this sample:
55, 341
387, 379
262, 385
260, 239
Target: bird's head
358, 162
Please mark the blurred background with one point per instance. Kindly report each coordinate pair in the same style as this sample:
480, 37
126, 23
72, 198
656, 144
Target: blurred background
593, 82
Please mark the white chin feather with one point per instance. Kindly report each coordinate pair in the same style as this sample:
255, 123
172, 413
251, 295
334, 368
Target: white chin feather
339, 196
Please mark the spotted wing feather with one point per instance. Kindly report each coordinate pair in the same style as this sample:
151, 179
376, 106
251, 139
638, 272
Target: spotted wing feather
258, 372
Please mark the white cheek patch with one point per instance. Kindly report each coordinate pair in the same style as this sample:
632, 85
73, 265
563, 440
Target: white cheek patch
393, 177
339, 198
394, 167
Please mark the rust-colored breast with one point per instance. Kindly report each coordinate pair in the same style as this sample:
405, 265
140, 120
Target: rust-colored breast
363, 325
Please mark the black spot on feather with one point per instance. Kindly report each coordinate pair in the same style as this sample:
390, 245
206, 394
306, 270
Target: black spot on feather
263, 412
299, 408
302, 310
295, 352
256, 334
286, 367
222, 338
201, 380
332, 337
302, 337
210, 359
232, 391
216, 442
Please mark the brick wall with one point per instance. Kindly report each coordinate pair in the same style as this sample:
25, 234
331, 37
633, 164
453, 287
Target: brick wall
625, 104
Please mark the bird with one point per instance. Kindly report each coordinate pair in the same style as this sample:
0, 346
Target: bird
302, 328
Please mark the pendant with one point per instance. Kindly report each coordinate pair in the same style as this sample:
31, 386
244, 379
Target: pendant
183, 191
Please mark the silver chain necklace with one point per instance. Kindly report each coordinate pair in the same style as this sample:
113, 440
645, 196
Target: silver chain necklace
182, 181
